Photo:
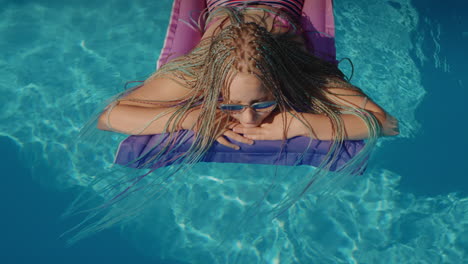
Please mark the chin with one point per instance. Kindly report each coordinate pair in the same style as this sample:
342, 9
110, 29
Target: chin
249, 125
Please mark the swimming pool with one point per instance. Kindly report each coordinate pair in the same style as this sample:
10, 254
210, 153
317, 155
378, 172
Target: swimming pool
60, 61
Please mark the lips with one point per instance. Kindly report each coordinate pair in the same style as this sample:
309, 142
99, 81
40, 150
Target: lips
249, 125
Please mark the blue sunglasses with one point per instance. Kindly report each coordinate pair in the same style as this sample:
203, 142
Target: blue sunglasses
260, 107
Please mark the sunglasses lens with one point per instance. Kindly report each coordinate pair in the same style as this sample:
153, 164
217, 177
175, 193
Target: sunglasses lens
264, 106
231, 108
257, 107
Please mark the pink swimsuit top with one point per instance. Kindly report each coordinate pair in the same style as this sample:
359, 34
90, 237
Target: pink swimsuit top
293, 7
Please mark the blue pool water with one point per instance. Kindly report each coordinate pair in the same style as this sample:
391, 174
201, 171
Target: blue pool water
60, 61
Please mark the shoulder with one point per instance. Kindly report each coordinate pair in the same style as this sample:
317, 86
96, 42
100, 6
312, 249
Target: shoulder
341, 87
342, 90
346, 94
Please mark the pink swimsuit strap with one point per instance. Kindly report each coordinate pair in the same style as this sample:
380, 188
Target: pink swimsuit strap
293, 7
278, 22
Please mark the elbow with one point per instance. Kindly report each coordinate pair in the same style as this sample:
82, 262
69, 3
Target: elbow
102, 122
389, 125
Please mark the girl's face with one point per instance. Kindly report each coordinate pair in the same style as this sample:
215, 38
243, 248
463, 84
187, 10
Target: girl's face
247, 89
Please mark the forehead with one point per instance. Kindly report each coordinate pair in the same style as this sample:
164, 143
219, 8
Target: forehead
247, 88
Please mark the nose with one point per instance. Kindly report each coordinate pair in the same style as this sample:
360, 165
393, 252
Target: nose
248, 116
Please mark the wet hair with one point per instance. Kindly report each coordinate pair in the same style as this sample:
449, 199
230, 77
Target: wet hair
298, 80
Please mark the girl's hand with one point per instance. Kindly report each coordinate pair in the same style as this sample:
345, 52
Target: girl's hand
191, 123
233, 135
273, 128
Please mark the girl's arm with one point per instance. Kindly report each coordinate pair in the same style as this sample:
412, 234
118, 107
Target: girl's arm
140, 120
355, 127
134, 115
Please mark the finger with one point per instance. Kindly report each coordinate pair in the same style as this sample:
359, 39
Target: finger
247, 130
225, 142
238, 129
238, 137
233, 125
255, 137
253, 133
